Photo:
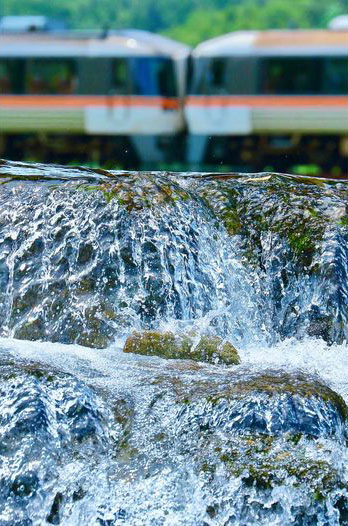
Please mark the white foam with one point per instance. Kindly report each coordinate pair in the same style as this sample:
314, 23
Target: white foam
312, 355
110, 367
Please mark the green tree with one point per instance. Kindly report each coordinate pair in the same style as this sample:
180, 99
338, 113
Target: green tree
255, 14
190, 21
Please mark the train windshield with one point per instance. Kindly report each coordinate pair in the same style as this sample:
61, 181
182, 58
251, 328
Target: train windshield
144, 76
224, 76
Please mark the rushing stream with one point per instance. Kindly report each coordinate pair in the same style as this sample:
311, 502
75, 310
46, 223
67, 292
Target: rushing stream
173, 348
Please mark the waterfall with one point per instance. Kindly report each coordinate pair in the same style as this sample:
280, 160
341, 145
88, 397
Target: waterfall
91, 435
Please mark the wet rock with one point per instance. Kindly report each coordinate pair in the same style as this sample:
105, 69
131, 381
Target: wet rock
209, 349
294, 233
25, 484
31, 330
289, 478
53, 516
265, 462
50, 420
85, 262
272, 402
140, 191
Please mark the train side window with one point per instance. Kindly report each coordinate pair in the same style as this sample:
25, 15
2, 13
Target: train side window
216, 76
292, 75
120, 81
153, 76
11, 76
336, 76
51, 76
241, 76
199, 68
5, 78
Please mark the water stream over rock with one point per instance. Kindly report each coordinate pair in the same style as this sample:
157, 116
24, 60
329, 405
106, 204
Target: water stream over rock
246, 272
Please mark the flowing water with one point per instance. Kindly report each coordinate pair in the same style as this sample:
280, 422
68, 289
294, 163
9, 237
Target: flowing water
91, 435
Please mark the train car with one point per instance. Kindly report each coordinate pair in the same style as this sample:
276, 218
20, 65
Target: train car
270, 100
94, 96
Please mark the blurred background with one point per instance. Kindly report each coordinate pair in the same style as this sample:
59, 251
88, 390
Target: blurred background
238, 85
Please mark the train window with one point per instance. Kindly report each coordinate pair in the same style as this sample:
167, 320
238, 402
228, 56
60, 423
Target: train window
292, 75
197, 76
50, 76
228, 76
11, 76
216, 80
336, 76
120, 76
189, 74
214, 77
153, 76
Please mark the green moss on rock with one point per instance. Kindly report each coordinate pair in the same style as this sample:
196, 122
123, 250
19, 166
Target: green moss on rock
137, 192
293, 210
266, 462
209, 349
280, 382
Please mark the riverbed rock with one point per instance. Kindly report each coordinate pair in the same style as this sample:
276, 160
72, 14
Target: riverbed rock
298, 476
210, 349
272, 402
139, 191
50, 423
294, 232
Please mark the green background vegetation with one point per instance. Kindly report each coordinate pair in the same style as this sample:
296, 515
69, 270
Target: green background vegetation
190, 21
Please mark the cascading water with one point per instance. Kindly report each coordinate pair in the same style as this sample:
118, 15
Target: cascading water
91, 435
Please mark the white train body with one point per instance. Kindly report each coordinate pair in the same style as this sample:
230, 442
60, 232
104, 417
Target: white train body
111, 112
268, 83
127, 83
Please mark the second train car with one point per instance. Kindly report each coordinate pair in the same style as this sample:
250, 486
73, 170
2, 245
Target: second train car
270, 99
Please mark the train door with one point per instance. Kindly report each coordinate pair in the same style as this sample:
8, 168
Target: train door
118, 98
216, 87
109, 112
228, 78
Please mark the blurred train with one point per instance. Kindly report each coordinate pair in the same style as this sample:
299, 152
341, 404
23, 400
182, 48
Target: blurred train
275, 98
250, 100
92, 96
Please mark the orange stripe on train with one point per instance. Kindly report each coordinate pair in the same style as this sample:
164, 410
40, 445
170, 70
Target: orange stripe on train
81, 101
266, 100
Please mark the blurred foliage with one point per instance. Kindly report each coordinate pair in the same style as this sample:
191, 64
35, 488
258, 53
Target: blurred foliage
256, 14
190, 21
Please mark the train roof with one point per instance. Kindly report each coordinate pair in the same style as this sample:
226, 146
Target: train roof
275, 42
128, 42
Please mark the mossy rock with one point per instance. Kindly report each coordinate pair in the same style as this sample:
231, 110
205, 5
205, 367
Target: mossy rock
210, 349
279, 206
273, 402
304, 474
266, 462
284, 224
273, 382
141, 191
31, 330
